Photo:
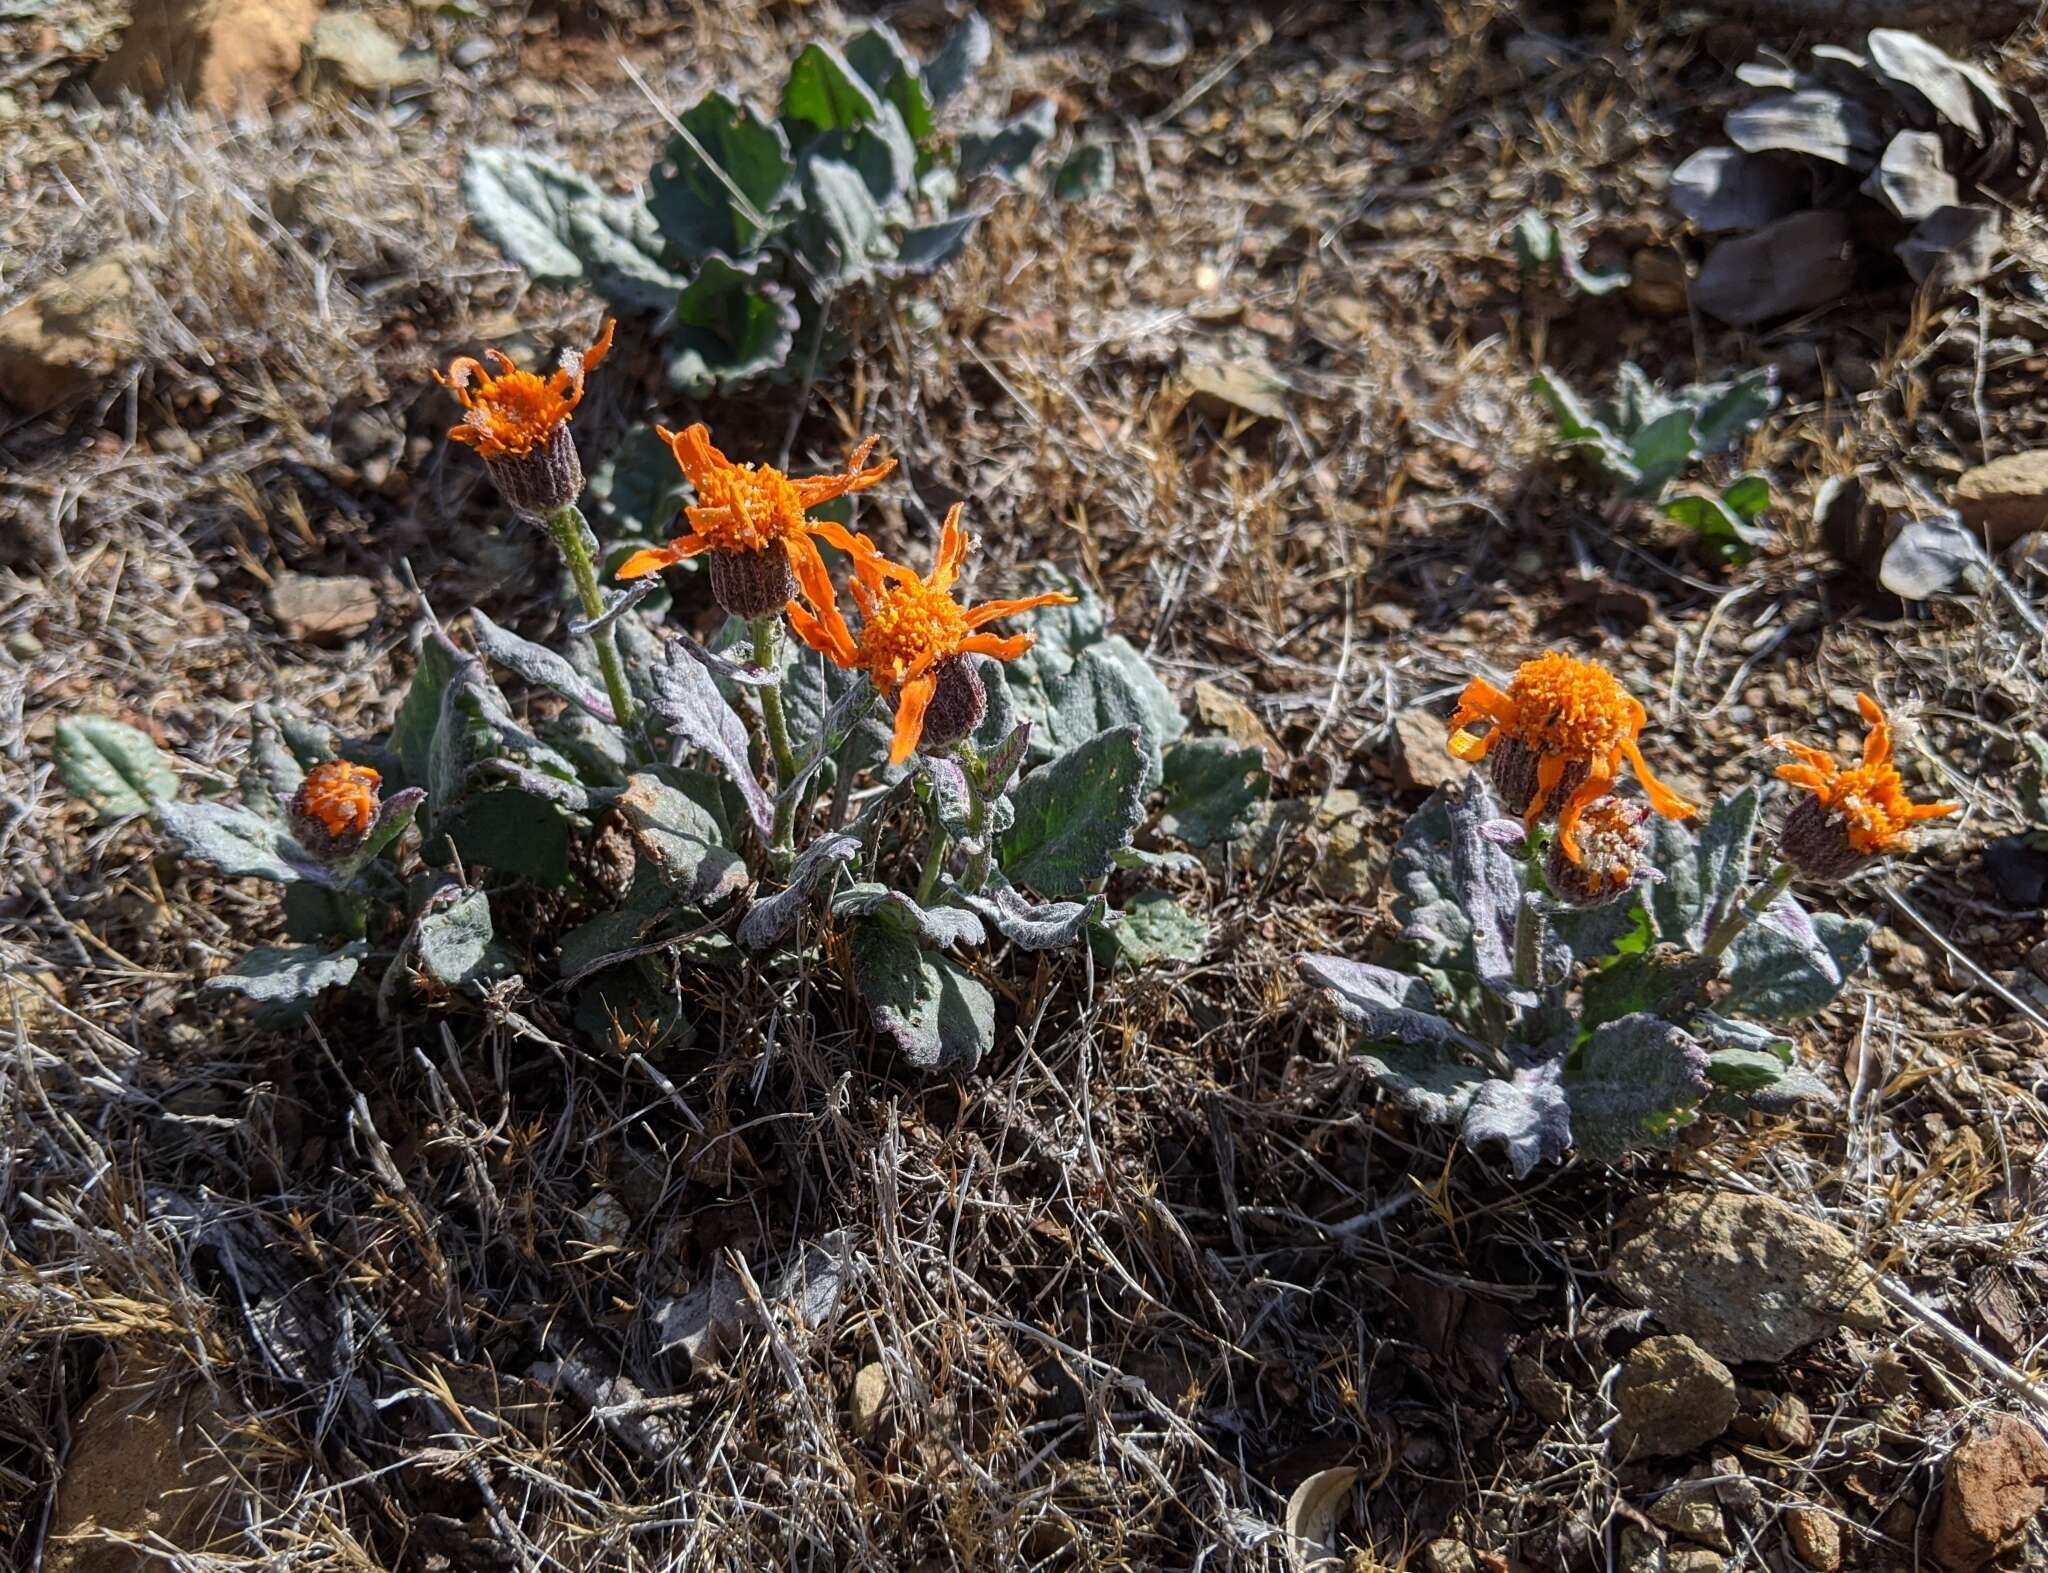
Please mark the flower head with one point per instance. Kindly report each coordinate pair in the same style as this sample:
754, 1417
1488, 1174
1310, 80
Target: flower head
335, 807
518, 422
1853, 815
1614, 846
755, 521
1559, 737
913, 637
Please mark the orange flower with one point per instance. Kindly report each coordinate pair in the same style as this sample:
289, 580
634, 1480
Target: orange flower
518, 422
1854, 814
335, 807
755, 520
913, 636
1562, 729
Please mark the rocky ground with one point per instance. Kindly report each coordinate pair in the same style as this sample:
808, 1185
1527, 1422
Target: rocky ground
1169, 1284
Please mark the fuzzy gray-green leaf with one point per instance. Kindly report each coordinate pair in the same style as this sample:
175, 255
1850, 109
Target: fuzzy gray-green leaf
454, 942
111, 766
563, 230
290, 974
937, 1016
729, 326
1790, 963
238, 843
771, 917
1075, 813
1704, 870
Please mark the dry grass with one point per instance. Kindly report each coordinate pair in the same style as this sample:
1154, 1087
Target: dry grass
1165, 1256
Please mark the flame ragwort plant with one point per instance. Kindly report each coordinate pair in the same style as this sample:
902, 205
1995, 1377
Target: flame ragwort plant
1579, 969
901, 788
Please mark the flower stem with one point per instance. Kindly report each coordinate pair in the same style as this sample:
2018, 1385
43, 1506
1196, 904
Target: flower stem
571, 535
934, 863
1755, 907
765, 631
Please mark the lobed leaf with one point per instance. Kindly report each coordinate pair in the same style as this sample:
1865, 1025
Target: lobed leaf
562, 229
938, 928
1790, 963
1527, 1113
538, 665
965, 52
1032, 925
1703, 873
729, 325
1382, 1004
1009, 148
688, 703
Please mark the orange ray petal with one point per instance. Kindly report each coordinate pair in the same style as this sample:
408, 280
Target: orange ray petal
953, 544
989, 611
1594, 786
1481, 701
1916, 812
1470, 747
911, 703
1817, 759
1877, 747
650, 559
1662, 798
1549, 773
694, 454
1807, 776
461, 371
996, 645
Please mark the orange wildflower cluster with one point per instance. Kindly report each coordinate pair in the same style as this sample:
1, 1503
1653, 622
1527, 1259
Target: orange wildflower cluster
748, 509
1860, 812
913, 631
1563, 728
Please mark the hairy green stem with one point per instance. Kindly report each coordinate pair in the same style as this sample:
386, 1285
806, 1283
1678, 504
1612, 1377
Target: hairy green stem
766, 632
1755, 907
934, 857
977, 827
571, 535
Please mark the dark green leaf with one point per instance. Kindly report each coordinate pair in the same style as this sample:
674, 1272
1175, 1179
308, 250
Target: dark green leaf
636, 491
1211, 785
513, 832
111, 766
1790, 963
1633, 1084
1088, 171
892, 71
1703, 873
1008, 149
728, 327
683, 842
1744, 1070
824, 93
721, 180
925, 248
1073, 815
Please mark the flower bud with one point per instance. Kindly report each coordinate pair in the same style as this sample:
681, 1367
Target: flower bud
959, 701
335, 808
542, 481
752, 584
1815, 841
1614, 844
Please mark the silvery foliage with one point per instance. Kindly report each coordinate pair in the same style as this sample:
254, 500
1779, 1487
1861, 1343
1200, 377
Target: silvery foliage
1543, 1028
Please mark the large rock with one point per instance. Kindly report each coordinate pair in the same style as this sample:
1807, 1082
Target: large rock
70, 337
354, 50
1747, 1277
1422, 757
2006, 498
1672, 1397
233, 56
323, 610
139, 1471
1997, 1480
